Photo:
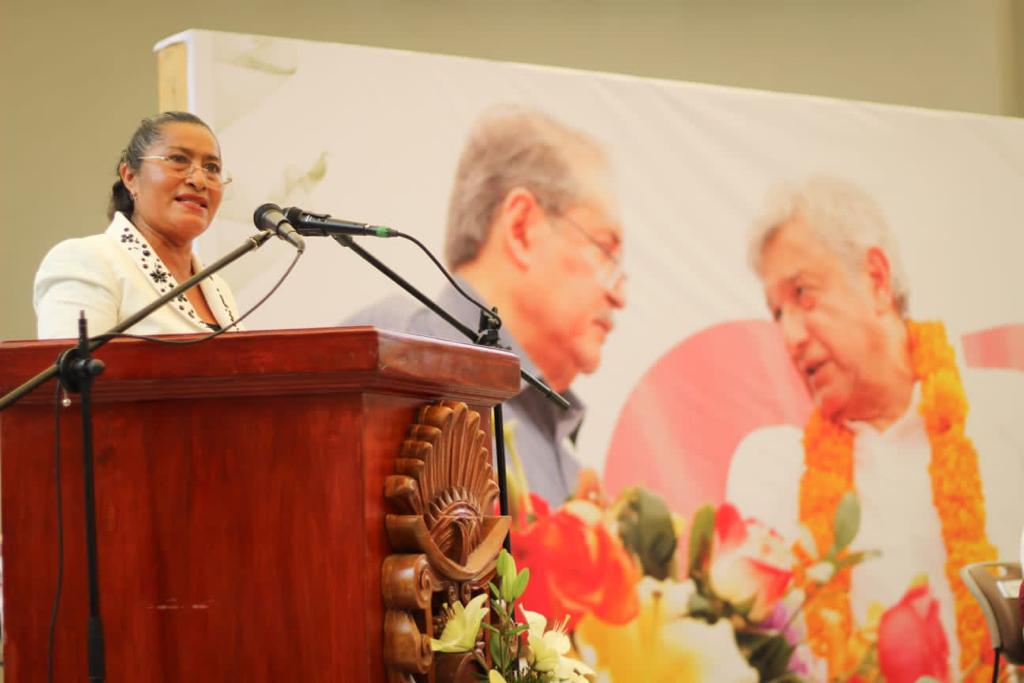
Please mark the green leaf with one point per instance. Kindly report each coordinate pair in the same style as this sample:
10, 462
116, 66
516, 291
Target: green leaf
702, 534
699, 606
749, 640
498, 653
847, 521
743, 608
856, 558
520, 583
506, 568
506, 564
647, 531
767, 651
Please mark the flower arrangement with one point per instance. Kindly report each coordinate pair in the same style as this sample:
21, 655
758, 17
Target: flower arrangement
611, 608
520, 652
643, 596
625, 590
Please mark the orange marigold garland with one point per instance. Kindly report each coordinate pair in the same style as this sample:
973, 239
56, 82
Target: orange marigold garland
956, 493
828, 476
956, 482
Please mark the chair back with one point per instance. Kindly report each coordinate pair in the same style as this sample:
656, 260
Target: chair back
997, 587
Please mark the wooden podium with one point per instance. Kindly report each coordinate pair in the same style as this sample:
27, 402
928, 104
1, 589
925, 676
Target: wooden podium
271, 506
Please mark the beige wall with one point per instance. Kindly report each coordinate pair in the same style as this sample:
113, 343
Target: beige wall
1015, 39
76, 79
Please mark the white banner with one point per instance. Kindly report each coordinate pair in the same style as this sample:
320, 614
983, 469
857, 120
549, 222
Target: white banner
374, 135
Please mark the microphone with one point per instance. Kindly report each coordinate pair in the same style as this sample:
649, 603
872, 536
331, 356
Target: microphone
322, 225
270, 217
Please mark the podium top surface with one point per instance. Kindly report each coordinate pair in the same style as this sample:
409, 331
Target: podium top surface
322, 360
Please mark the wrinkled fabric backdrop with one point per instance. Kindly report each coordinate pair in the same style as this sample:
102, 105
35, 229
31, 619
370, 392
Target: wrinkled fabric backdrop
694, 365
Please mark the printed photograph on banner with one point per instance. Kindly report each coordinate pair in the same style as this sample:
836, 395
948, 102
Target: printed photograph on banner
887, 422
533, 230
788, 327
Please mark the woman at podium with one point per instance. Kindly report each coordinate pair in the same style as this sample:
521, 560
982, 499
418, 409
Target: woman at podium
169, 186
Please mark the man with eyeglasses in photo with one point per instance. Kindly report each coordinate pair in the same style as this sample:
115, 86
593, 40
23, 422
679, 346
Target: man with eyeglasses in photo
533, 229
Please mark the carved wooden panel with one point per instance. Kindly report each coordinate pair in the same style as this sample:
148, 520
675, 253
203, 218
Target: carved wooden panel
444, 537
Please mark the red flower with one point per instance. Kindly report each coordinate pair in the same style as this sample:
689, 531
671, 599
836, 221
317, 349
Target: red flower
911, 641
577, 566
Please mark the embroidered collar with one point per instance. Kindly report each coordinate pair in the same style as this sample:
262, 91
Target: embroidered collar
159, 276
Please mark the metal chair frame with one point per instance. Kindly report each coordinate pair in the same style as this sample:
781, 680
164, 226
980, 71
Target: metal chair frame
1002, 611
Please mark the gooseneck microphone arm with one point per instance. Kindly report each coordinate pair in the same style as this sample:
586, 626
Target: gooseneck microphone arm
253, 242
325, 225
346, 241
487, 336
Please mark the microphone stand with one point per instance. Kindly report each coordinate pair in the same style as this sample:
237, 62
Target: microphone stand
76, 370
253, 242
535, 382
487, 336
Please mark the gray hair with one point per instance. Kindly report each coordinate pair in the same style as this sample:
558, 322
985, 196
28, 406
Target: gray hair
845, 217
508, 148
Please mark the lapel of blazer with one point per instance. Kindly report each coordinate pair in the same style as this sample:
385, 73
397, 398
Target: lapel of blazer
152, 267
214, 294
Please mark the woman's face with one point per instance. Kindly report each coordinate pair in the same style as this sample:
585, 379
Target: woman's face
176, 205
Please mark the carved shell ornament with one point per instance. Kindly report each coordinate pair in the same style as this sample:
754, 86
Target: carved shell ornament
444, 493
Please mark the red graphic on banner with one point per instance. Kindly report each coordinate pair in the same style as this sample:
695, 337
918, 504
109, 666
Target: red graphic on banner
680, 426
996, 347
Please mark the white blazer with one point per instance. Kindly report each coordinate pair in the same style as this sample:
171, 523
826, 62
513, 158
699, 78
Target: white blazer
111, 276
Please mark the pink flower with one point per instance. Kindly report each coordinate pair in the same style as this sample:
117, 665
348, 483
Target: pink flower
749, 561
911, 641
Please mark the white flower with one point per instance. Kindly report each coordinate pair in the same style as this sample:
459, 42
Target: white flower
585, 511
463, 625
548, 650
717, 656
821, 572
662, 644
673, 596
806, 540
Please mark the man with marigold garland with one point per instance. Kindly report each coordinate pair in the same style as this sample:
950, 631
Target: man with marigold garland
890, 423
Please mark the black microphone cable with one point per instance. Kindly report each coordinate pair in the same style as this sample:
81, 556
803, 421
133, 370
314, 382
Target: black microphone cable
215, 333
266, 217
490, 313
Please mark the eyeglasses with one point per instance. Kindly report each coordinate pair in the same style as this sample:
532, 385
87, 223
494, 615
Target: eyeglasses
183, 165
610, 273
